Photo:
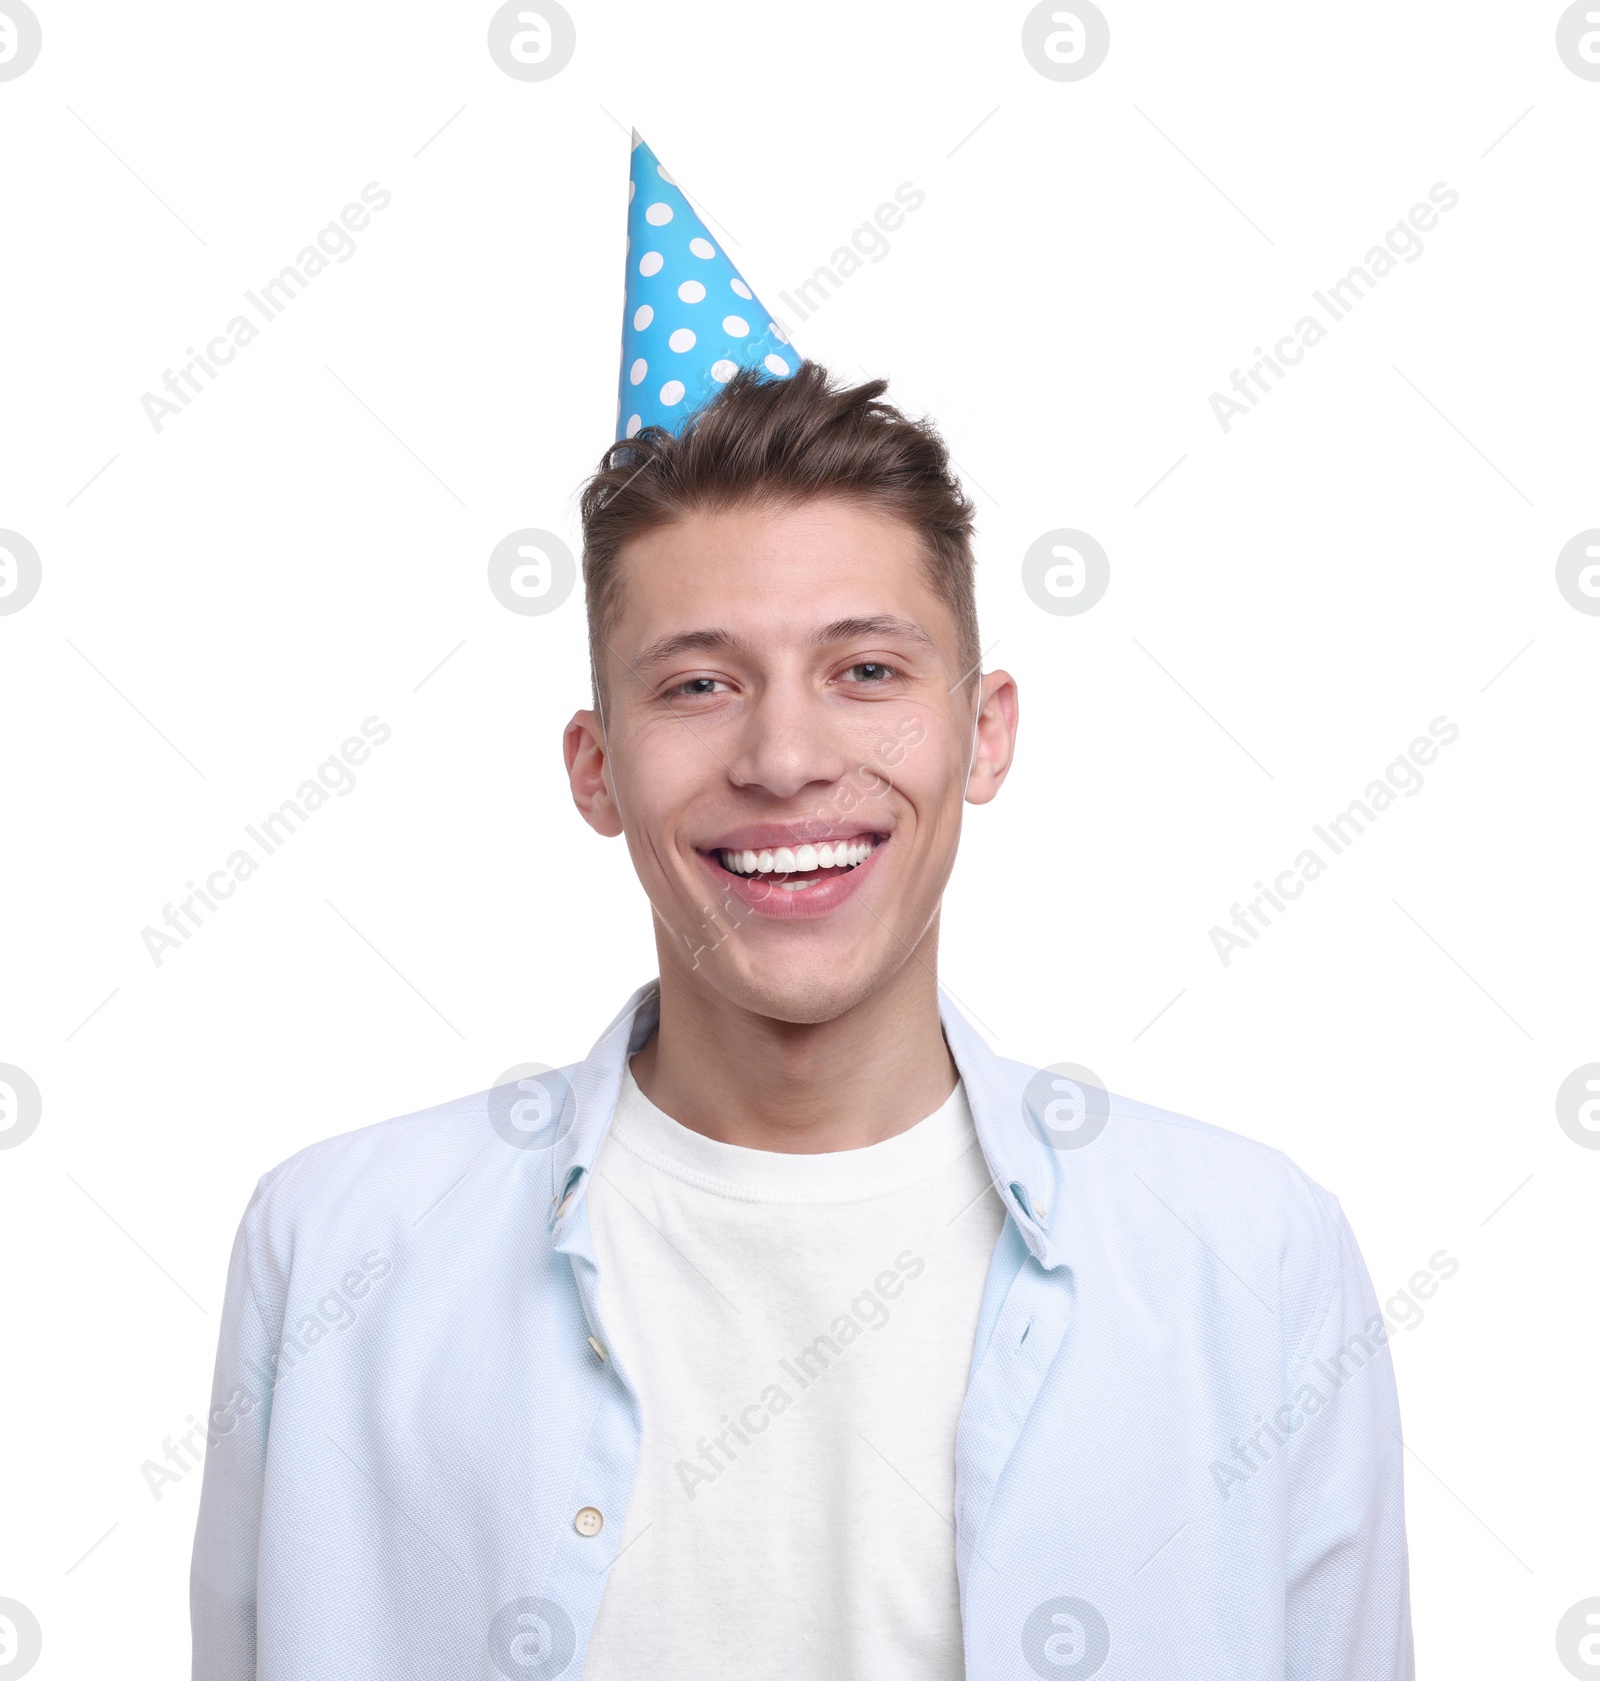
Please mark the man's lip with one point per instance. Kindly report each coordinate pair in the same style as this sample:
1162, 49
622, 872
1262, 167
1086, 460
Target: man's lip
826, 890
761, 837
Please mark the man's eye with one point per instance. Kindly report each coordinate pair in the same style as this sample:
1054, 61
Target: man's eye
870, 671
695, 686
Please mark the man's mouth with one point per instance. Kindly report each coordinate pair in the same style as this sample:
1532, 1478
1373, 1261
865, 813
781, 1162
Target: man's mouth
793, 868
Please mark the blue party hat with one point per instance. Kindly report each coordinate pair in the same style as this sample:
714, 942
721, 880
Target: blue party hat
690, 320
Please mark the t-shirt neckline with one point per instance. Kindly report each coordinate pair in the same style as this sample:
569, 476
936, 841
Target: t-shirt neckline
833, 1176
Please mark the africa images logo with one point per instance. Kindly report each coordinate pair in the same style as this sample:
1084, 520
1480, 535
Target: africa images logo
1065, 1634
20, 40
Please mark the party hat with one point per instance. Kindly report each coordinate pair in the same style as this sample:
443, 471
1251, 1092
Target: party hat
690, 320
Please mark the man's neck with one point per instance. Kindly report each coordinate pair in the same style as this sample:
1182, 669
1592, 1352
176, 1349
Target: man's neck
744, 1078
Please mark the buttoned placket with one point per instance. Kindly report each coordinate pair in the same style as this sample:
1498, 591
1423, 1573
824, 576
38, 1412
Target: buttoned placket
603, 1478
1029, 1296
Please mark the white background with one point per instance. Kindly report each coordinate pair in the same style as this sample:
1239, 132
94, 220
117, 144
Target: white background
1290, 605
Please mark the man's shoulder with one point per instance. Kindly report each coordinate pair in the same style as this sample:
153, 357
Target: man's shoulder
1142, 1178
390, 1163
1186, 1150
1143, 1136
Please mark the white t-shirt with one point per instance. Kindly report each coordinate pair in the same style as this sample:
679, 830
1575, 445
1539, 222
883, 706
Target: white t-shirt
799, 1329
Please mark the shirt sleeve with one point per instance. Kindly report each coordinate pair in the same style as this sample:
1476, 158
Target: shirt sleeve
1348, 1595
222, 1581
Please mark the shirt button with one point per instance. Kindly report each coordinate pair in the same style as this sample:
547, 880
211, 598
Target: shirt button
588, 1521
598, 1346
561, 1212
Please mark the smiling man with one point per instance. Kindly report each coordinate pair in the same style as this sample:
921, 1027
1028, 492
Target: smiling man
792, 1332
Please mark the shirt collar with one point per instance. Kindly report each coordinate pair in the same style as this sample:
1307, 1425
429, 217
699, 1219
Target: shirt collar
1025, 1172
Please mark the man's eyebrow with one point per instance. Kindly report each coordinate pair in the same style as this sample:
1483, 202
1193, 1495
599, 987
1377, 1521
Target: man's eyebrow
666, 648
854, 630
716, 641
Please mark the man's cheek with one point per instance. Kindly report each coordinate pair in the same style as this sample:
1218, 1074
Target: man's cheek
891, 752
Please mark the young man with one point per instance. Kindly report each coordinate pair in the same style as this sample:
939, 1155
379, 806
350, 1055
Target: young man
792, 1332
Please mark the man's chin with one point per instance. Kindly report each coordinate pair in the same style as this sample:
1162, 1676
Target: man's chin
805, 994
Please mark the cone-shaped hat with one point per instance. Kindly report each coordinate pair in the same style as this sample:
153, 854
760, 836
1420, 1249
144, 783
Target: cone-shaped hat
690, 319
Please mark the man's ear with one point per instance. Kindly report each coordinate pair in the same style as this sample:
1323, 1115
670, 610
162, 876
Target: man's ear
996, 740
584, 749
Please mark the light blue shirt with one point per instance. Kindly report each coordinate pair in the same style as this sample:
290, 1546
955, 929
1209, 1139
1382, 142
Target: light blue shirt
1179, 1452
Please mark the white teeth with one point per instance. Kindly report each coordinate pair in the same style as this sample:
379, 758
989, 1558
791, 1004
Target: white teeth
803, 860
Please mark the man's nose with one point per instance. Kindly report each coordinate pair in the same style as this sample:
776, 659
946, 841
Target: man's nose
788, 741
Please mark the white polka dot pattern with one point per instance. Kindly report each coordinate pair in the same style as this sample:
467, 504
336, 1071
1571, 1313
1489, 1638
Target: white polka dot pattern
675, 316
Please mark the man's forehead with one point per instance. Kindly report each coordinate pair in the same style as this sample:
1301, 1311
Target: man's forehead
752, 580
781, 522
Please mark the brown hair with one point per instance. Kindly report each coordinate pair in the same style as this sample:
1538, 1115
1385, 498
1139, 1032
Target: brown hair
782, 441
